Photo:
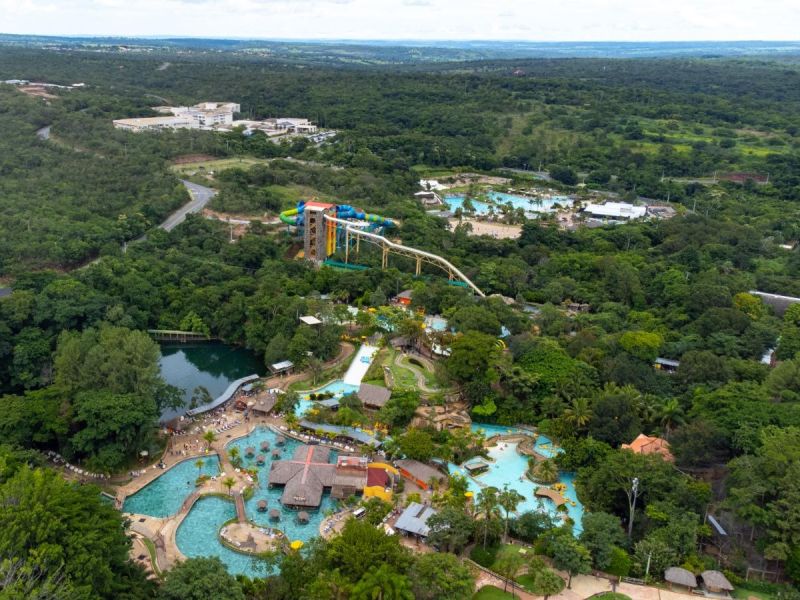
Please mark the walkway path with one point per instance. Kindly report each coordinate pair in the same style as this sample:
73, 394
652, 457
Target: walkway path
239, 502
422, 383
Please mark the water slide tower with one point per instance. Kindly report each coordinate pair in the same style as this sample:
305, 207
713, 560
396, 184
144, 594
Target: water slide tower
319, 235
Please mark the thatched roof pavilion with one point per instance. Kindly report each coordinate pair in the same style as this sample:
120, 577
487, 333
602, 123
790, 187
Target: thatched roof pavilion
280, 440
262, 506
302, 516
264, 445
715, 582
275, 514
249, 451
276, 454
680, 576
261, 459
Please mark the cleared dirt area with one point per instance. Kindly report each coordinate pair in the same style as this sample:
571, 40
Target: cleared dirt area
495, 230
37, 91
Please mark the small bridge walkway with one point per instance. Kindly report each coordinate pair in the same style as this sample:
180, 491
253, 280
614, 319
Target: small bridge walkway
172, 335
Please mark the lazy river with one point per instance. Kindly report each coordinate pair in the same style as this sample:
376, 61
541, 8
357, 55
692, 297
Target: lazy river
498, 199
508, 467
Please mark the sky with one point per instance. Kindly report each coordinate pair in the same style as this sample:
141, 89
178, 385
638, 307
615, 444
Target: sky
526, 20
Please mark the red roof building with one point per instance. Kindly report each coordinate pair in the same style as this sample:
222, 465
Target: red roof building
645, 444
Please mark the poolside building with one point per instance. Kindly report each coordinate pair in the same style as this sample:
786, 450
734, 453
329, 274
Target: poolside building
304, 477
419, 473
615, 211
350, 477
681, 577
404, 298
414, 520
281, 368
380, 481
349, 433
373, 396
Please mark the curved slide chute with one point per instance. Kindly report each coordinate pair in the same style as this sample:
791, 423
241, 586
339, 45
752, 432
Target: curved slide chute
295, 217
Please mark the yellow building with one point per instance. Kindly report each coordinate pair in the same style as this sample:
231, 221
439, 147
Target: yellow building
380, 481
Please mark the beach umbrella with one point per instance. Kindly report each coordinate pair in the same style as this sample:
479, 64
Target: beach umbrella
280, 441
302, 516
275, 514
265, 445
296, 545
276, 454
261, 459
262, 506
249, 451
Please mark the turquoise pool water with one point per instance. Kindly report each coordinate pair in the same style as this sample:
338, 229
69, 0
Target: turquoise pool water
337, 387
197, 536
508, 468
436, 323
164, 496
530, 205
490, 429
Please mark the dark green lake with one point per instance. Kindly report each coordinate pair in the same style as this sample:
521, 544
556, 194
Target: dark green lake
212, 365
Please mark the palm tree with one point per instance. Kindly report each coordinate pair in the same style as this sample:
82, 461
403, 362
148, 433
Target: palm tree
546, 471
671, 415
229, 482
210, 437
578, 413
486, 504
509, 499
199, 463
236, 459
383, 583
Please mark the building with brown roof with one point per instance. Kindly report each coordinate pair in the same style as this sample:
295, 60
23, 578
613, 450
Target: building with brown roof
350, 477
373, 396
419, 473
645, 444
304, 477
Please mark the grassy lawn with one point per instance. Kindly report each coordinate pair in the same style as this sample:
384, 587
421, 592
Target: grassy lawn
430, 378
490, 592
220, 164
742, 593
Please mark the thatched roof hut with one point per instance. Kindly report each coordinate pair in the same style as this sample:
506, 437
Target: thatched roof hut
262, 506
276, 454
275, 514
249, 451
264, 445
261, 459
680, 576
715, 582
302, 516
280, 440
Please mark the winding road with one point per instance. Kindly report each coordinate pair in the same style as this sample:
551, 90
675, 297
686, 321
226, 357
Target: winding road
200, 197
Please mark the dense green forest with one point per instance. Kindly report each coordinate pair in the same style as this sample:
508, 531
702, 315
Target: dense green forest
79, 375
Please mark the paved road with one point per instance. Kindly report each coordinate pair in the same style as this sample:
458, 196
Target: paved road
200, 196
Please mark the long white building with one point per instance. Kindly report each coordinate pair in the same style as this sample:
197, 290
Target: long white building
206, 115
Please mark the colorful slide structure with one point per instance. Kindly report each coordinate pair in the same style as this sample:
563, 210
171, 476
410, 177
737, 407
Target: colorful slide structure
295, 216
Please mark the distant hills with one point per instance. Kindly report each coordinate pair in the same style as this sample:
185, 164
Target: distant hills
412, 51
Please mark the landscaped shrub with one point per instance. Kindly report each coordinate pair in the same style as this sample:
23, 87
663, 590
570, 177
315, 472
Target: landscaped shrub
620, 563
484, 558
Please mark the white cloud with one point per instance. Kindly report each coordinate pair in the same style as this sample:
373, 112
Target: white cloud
531, 20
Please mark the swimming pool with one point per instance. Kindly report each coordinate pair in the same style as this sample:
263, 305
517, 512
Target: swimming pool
436, 323
529, 205
198, 536
508, 467
164, 495
337, 387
